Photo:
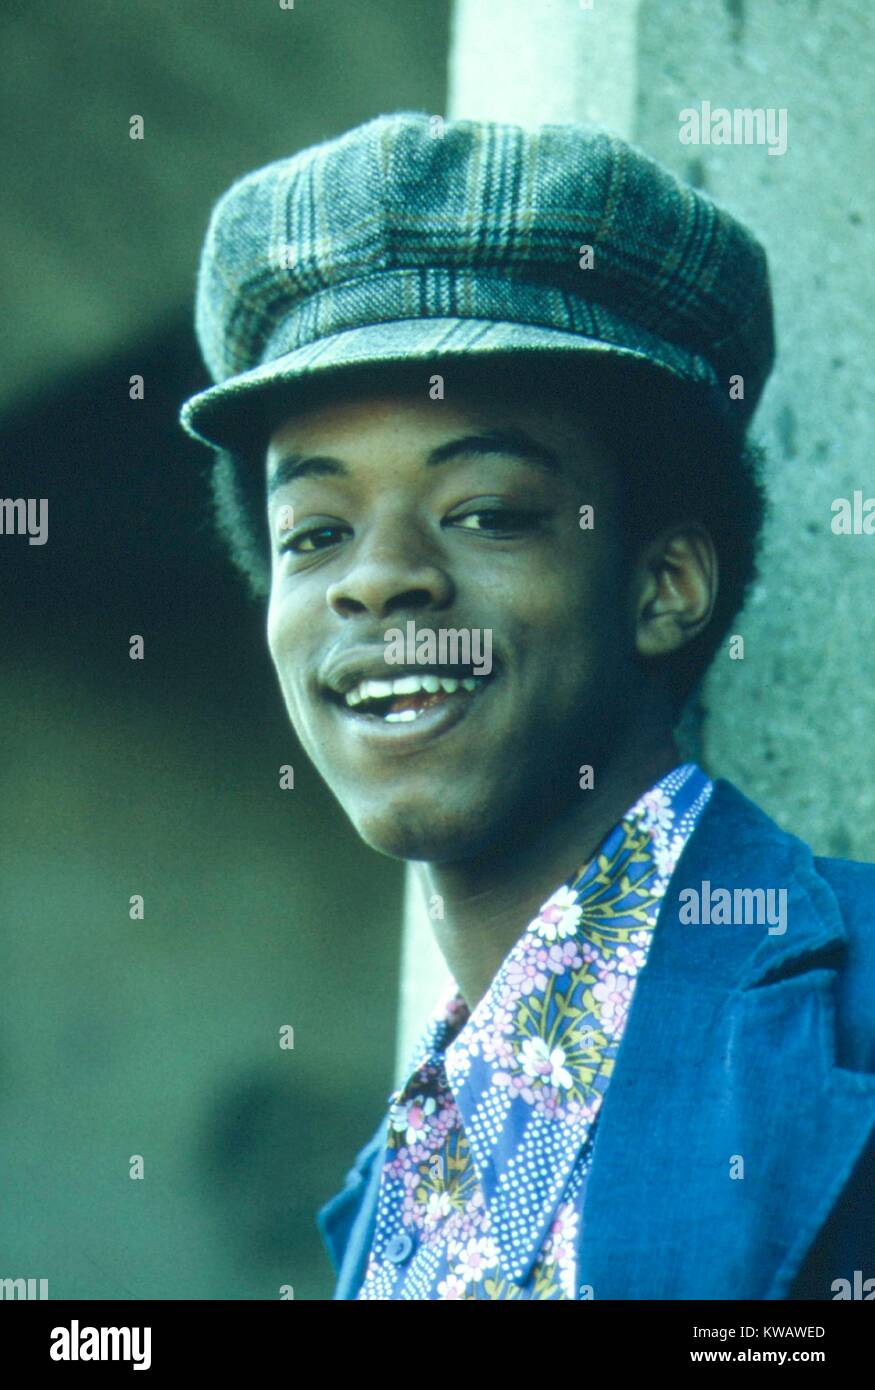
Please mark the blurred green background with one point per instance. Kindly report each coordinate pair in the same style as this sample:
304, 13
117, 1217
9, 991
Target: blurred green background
160, 1037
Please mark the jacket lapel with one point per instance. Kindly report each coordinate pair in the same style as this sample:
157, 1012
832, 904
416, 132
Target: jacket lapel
727, 1132
347, 1221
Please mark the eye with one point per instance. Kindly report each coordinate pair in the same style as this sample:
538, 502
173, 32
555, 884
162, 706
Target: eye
299, 543
500, 519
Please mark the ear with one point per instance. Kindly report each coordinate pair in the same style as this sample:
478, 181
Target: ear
675, 590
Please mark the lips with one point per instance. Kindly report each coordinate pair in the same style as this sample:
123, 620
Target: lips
408, 721
396, 707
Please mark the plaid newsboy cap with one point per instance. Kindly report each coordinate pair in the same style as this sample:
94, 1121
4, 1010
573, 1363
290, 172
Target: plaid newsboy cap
411, 238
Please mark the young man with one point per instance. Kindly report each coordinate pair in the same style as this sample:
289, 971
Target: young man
481, 405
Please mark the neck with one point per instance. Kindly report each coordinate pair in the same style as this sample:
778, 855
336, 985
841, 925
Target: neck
489, 902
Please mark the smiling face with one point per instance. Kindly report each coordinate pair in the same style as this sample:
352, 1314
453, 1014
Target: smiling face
461, 515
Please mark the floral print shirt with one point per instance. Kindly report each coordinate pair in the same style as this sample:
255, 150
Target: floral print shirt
490, 1139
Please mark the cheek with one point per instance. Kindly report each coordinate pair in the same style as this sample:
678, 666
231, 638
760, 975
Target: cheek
277, 639
296, 657
579, 594
286, 651
580, 615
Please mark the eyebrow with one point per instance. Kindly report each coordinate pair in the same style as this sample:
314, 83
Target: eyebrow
512, 443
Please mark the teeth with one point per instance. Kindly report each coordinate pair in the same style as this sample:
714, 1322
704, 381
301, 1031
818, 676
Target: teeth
402, 716
406, 685
377, 690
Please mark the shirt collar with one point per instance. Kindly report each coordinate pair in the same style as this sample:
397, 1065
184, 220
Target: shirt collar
528, 1068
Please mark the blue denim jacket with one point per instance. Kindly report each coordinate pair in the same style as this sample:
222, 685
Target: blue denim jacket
740, 1043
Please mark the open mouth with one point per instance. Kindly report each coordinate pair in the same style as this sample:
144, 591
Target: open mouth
407, 698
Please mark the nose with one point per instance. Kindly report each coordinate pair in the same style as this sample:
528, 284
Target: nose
394, 568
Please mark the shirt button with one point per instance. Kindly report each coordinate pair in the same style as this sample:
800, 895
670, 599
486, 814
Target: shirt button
399, 1248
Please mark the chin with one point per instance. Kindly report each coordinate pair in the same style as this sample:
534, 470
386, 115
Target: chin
425, 833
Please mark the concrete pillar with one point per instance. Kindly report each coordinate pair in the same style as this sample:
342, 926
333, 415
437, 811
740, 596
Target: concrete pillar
539, 61
793, 724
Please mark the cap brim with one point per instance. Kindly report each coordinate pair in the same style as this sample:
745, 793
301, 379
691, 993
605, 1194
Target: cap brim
234, 414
